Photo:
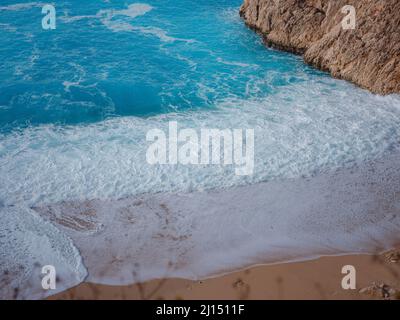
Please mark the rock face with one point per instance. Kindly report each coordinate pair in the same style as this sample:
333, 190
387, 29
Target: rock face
368, 55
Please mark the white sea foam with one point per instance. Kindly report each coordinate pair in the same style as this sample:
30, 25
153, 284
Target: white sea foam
27, 243
114, 20
7, 27
134, 10
202, 234
238, 64
300, 130
106, 15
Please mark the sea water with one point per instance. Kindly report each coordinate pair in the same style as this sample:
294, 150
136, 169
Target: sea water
76, 104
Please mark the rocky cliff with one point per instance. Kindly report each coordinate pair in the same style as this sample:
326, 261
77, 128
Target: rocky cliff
368, 55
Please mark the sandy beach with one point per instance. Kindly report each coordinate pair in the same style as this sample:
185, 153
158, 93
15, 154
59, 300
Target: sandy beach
377, 277
165, 152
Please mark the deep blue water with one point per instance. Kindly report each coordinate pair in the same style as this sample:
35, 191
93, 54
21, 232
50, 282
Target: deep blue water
157, 57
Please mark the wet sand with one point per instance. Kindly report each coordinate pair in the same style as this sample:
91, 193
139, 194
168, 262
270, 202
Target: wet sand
377, 277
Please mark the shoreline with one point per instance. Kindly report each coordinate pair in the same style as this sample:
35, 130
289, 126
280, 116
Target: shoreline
377, 277
80, 196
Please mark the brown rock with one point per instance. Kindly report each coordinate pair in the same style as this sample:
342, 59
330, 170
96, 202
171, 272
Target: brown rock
369, 55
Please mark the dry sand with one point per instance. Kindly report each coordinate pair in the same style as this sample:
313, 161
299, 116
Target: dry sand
378, 277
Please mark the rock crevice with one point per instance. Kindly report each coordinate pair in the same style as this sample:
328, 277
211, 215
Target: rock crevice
368, 55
